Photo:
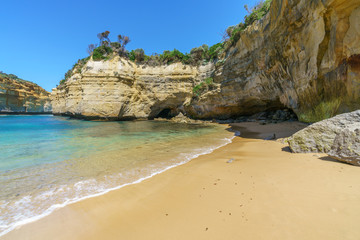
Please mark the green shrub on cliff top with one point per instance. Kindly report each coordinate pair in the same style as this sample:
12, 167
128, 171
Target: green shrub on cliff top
102, 53
75, 68
257, 13
215, 50
197, 55
175, 55
13, 77
137, 55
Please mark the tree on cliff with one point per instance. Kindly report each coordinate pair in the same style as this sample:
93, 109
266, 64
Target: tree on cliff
137, 55
123, 40
106, 48
91, 48
104, 36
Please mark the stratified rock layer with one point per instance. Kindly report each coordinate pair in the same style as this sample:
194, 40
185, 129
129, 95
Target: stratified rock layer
23, 97
120, 89
303, 55
338, 136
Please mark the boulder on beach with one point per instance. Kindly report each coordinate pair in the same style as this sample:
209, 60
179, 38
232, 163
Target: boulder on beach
346, 147
337, 136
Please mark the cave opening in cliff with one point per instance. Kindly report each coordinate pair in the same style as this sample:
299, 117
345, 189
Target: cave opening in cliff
165, 113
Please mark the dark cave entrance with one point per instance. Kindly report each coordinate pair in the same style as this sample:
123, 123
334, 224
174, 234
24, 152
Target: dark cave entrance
165, 113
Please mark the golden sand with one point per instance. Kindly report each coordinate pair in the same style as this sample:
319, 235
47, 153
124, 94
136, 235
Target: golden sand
266, 192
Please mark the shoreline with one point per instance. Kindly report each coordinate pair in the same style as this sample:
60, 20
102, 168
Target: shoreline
56, 207
189, 194
26, 113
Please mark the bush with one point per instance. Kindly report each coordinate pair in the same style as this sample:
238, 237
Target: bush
199, 53
13, 77
102, 53
258, 12
323, 110
137, 55
173, 56
76, 68
209, 81
115, 46
215, 50
206, 85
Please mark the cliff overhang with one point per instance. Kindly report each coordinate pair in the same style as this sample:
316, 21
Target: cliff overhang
303, 55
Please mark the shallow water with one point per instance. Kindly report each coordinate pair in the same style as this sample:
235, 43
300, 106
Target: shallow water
47, 162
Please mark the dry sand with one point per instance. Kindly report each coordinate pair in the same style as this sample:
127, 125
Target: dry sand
265, 193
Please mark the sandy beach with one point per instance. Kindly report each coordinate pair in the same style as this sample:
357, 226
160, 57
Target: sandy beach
264, 192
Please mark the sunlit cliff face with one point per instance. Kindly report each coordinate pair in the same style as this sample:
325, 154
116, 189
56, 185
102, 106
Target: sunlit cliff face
303, 55
23, 97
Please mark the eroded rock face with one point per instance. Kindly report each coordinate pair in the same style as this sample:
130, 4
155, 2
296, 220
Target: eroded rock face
23, 97
119, 89
338, 136
304, 55
346, 147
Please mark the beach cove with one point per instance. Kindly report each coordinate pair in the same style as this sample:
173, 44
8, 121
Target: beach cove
166, 129
263, 192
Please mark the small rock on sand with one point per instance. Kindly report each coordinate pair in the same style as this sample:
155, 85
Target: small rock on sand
231, 160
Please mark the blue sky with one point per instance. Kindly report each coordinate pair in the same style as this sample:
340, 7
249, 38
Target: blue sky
41, 40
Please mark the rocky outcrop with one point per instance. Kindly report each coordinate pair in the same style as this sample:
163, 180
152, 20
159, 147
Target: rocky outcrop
346, 147
337, 136
303, 55
122, 90
19, 96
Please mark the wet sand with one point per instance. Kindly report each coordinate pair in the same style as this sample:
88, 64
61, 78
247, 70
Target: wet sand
266, 192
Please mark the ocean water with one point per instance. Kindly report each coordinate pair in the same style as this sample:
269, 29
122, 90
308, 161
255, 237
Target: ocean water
47, 162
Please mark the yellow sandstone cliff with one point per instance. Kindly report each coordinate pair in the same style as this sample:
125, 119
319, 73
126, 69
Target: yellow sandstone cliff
120, 89
19, 96
303, 55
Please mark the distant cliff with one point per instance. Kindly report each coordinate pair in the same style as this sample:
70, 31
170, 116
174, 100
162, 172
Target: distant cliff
19, 96
303, 55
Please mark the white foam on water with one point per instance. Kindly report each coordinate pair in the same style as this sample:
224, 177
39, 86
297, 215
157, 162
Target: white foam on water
22, 220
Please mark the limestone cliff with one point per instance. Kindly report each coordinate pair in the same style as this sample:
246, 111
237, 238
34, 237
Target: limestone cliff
120, 89
303, 55
19, 96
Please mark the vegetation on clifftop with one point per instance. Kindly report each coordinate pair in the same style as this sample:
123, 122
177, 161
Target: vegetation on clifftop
255, 14
13, 77
106, 49
75, 69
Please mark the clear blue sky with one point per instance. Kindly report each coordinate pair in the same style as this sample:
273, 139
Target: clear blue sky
41, 40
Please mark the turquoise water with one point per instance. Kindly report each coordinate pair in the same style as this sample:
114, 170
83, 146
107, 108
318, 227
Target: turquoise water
47, 162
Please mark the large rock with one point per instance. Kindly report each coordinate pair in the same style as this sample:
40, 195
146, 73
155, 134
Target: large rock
346, 147
120, 89
337, 136
19, 96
